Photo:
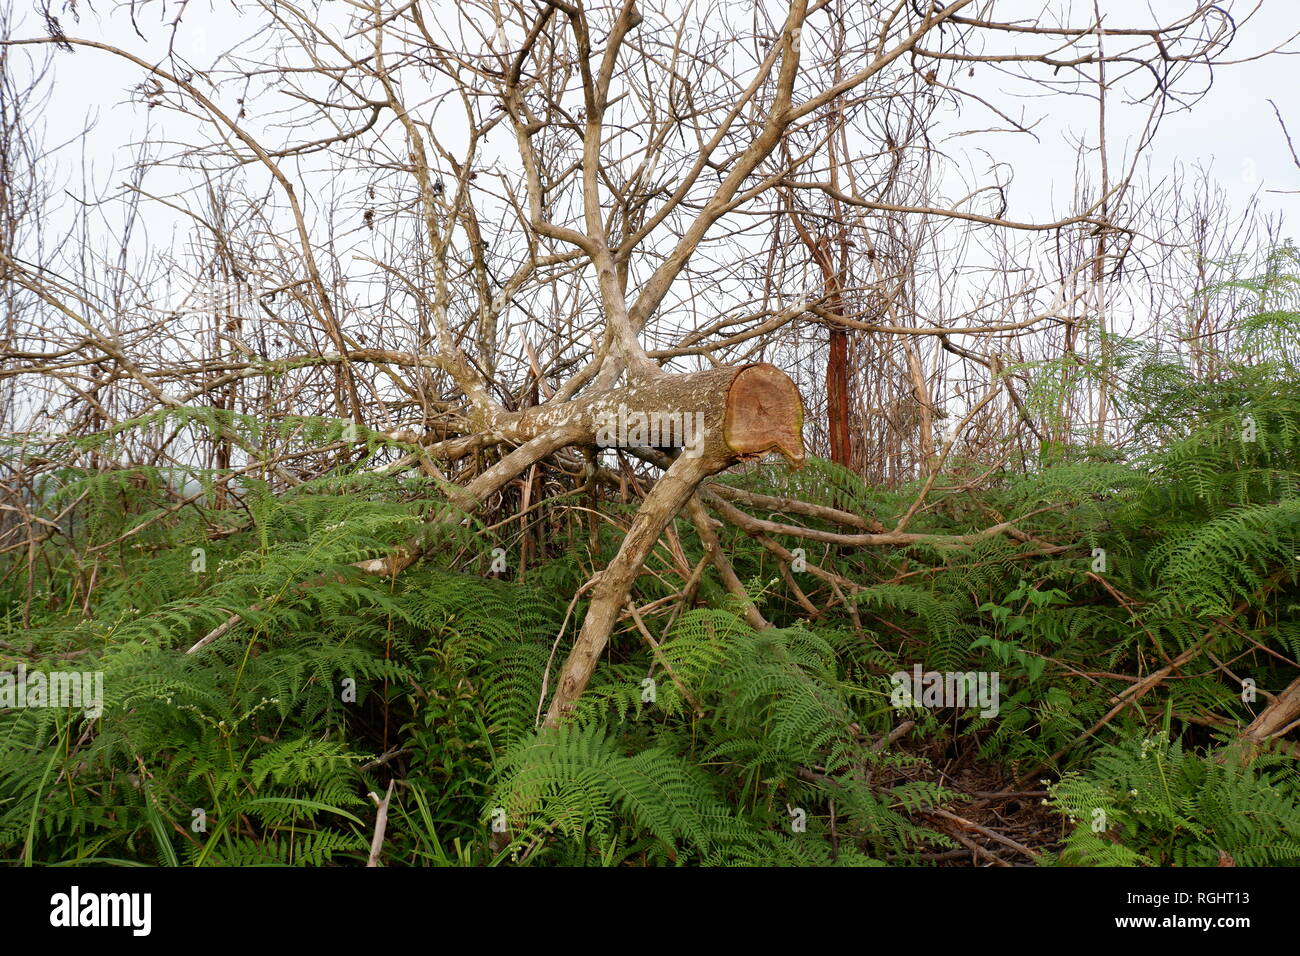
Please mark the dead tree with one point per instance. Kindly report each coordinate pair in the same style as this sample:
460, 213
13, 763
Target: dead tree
571, 203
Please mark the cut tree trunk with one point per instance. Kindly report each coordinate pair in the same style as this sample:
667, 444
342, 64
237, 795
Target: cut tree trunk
745, 410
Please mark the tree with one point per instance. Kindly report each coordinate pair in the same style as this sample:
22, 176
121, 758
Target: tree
525, 220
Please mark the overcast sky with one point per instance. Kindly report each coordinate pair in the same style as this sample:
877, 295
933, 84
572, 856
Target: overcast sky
1233, 130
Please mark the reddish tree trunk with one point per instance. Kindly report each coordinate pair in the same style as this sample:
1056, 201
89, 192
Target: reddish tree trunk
837, 362
837, 397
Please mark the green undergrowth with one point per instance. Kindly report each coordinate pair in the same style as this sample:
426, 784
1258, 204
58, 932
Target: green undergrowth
722, 745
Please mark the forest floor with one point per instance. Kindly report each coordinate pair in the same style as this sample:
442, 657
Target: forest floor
996, 822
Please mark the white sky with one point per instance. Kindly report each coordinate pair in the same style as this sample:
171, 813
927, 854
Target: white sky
1232, 131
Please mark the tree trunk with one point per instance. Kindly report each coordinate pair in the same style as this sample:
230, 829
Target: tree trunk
837, 398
